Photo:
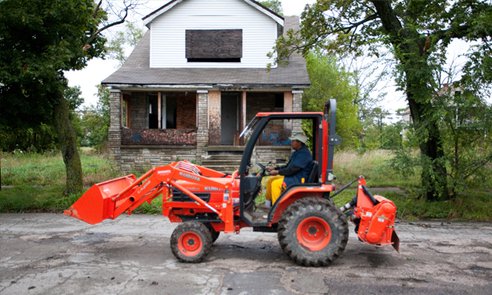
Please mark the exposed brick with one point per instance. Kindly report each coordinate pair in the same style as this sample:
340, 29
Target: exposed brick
158, 136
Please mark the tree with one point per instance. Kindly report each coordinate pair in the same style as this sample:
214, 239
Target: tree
466, 128
329, 80
129, 37
95, 121
38, 41
417, 33
273, 5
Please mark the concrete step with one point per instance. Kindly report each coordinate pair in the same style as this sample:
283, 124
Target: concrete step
223, 156
221, 162
222, 168
225, 148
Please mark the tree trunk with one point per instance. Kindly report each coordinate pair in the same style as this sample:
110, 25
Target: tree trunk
409, 49
434, 174
67, 140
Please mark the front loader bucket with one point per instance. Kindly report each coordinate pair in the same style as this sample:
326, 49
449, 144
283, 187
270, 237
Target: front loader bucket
97, 203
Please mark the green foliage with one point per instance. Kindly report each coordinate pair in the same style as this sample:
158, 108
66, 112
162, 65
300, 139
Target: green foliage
328, 80
273, 5
95, 121
466, 124
74, 97
417, 33
40, 138
472, 206
47, 169
34, 139
376, 167
40, 40
128, 38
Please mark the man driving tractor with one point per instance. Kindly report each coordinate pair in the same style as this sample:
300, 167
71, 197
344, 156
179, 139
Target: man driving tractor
293, 172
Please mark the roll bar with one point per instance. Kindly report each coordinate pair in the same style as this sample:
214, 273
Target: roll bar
333, 138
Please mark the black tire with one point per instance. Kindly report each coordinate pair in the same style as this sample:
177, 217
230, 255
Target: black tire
313, 232
213, 233
191, 241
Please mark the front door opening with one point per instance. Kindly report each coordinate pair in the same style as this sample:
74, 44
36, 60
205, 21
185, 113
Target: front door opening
229, 109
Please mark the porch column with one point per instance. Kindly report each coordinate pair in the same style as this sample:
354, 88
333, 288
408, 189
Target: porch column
297, 107
114, 131
244, 96
202, 124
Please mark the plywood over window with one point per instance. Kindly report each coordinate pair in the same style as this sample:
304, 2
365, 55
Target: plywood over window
214, 45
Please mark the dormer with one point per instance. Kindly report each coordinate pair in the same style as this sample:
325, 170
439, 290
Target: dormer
212, 34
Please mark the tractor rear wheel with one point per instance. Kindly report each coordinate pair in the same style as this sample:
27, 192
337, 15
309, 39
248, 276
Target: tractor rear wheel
191, 241
313, 232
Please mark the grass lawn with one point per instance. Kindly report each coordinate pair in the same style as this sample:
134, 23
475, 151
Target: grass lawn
34, 183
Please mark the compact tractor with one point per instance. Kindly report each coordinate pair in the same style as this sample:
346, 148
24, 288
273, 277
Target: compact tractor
311, 230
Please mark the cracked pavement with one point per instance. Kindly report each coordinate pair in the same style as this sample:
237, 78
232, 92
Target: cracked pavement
55, 254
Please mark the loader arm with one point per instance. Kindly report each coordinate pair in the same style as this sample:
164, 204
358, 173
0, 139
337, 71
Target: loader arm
109, 199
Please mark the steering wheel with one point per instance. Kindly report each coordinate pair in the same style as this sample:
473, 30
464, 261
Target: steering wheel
263, 169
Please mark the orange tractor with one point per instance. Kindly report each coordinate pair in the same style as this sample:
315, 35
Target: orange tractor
311, 229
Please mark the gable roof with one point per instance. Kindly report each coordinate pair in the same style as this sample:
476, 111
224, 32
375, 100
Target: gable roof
168, 6
136, 72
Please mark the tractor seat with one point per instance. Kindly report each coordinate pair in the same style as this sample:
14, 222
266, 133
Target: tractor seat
314, 174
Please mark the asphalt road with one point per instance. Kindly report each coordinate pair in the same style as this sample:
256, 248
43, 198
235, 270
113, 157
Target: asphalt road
54, 254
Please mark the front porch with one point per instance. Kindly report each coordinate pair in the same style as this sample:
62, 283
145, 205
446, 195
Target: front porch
156, 126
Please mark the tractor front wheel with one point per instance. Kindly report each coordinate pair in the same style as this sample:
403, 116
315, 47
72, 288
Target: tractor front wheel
313, 232
191, 241
213, 233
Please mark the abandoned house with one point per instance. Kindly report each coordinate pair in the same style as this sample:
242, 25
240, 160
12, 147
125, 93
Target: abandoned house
198, 75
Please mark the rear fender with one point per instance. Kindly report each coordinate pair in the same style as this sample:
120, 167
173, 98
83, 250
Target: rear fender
293, 194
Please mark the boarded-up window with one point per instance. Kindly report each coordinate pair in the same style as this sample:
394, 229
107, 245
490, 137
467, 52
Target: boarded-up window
214, 45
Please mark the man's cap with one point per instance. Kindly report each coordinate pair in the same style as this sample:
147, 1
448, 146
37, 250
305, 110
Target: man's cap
299, 137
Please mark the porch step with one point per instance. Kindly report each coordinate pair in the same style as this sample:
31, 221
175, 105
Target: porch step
223, 158
221, 162
225, 169
225, 148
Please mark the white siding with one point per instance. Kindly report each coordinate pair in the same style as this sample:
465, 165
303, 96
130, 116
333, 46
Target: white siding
167, 33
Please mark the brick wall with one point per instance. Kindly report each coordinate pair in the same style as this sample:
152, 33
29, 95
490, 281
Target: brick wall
297, 107
158, 136
202, 124
214, 112
262, 102
279, 155
142, 158
114, 135
185, 110
139, 159
137, 110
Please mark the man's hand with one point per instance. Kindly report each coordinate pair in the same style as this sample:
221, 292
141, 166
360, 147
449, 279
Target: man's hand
272, 171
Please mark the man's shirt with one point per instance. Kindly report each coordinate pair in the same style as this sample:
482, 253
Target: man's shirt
298, 166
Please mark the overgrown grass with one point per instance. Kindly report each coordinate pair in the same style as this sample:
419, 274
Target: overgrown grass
374, 166
35, 183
